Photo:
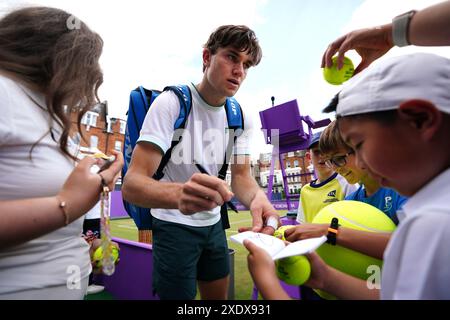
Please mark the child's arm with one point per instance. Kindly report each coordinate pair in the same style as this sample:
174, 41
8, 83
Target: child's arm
338, 283
262, 270
369, 243
343, 286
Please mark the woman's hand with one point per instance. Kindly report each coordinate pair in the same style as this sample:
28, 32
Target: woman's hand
81, 191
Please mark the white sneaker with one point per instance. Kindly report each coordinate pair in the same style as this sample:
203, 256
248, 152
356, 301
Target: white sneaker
93, 288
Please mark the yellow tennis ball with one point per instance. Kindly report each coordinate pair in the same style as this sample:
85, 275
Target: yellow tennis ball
98, 255
334, 76
279, 233
293, 270
359, 216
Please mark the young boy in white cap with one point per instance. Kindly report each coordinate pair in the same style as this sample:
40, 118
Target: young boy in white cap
396, 117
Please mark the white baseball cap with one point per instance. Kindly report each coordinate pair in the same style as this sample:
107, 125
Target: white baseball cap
385, 85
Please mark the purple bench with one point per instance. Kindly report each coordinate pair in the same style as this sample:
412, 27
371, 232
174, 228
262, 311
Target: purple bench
132, 279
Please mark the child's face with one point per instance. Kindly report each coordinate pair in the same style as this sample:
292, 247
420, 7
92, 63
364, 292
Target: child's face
386, 152
318, 161
350, 171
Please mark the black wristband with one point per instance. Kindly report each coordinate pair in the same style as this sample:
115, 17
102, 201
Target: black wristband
332, 231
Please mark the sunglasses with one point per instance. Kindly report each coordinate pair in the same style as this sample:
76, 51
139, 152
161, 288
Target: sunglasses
338, 161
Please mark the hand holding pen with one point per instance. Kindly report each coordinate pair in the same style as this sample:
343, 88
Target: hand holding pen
203, 170
202, 192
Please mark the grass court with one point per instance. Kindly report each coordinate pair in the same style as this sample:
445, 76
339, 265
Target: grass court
243, 285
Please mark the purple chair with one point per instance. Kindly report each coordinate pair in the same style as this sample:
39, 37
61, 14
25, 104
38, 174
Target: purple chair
283, 127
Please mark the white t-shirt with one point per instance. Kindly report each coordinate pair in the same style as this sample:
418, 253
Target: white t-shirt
417, 258
204, 140
48, 260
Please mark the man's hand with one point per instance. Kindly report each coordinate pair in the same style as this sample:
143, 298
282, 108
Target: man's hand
265, 217
202, 193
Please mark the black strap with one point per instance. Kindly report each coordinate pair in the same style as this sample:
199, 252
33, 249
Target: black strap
233, 134
165, 159
222, 175
331, 237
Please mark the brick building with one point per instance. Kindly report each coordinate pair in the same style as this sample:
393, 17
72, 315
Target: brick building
297, 169
99, 131
297, 159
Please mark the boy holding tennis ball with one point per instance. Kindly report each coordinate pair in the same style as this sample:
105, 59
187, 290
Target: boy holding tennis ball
386, 114
341, 158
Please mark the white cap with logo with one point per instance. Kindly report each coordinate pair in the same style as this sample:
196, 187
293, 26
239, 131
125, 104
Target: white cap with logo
386, 84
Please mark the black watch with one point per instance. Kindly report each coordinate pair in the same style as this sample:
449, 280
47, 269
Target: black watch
332, 231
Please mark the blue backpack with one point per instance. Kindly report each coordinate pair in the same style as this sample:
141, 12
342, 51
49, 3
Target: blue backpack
140, 102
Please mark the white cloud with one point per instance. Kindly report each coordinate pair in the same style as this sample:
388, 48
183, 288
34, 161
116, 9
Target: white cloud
152, 43
157, 43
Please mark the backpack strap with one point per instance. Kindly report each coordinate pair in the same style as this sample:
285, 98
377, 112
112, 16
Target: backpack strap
143, 96
140, 100
235, 116
235, 120
139, 105
184, 95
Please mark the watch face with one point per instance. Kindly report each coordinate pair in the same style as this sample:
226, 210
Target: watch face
334, 222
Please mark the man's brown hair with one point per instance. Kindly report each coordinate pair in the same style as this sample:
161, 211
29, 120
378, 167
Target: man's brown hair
240, 37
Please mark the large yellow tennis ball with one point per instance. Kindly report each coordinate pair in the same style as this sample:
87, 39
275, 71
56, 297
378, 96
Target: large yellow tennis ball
359, 216
279, 233
293, 270
98, 255
334, 76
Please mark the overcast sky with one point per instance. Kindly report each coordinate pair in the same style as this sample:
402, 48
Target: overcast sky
158, 43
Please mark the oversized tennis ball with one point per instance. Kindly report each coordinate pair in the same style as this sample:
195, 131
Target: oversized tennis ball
293, 270
359, 216
98, 255
279, 233
334, 76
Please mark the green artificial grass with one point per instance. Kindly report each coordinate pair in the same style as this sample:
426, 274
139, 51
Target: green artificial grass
104, 295
243, 284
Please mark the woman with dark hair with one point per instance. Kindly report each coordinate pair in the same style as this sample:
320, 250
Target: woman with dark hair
48, 68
